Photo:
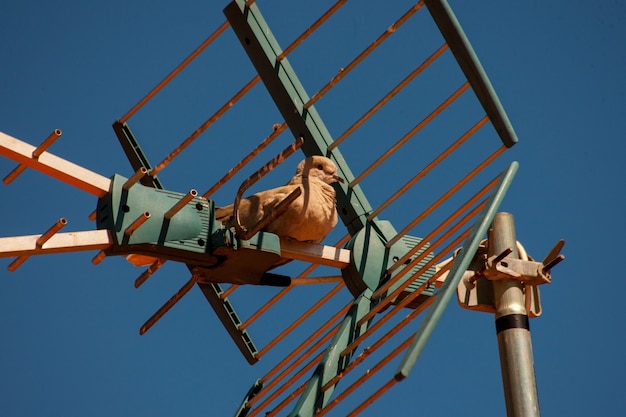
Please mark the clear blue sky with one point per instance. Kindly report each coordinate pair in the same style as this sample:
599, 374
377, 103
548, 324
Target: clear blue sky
69, 342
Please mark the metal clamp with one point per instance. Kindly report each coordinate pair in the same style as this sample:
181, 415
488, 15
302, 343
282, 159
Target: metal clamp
478, 295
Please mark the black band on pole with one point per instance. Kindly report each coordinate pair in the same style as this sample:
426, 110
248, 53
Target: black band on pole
512, 321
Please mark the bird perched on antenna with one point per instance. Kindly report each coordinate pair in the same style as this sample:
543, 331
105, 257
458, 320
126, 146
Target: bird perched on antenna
309, 218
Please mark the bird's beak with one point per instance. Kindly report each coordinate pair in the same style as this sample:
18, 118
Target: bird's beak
337, 178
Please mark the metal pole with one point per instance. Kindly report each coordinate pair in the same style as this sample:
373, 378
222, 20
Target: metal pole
514, 343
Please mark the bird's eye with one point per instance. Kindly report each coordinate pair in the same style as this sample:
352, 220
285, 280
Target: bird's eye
320, 167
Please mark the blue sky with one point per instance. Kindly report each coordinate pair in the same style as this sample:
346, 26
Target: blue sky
69, 341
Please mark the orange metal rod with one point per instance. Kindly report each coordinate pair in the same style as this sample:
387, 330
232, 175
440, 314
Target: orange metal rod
380, 292
392, 332
304, 345
411, 133
278, 129
221, 111
204, 126
468, 203
281, 128
389, 96
273, 301
260, 173
143, 217
365, 53
311, 29
38, 243
180, 204
366, 376
56, 133
287, 400
51, 232
175, 72
46, 143
301, 319
290, 369
398, 307
148, 272
424, 172
229, 291
452, 191
296, 363
406, 257
404, 285
17, 262
139, 174
284, 291
168, 304
397, 291
286, 385
371, 398
99, 257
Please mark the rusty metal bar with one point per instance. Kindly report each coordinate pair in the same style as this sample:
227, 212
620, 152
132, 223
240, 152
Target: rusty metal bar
284, 291
51, 232
371, 398
424, 172
168, 304
273, 300
397, 291
143, 217
38, 243
301, 347
148, 272
229, 291
396, 309
260, 173
278, 129
411, 133
99, 257
468, 203
287, 400
17, 262
388, 96
370, 372
311, 29
344, 71
46, 143
141, 172
237, 96
180, 204
450, 192
175, 72
287, 384
296, 363
56, 133
301, 319
230, 103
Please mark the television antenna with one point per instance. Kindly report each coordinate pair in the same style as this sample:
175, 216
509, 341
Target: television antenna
384, 270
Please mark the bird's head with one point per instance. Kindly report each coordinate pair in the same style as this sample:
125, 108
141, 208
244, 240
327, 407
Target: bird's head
318, 167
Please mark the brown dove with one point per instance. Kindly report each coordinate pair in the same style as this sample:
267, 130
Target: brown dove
310, 217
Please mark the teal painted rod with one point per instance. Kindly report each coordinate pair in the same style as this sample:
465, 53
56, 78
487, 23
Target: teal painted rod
463, 52
461, 263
